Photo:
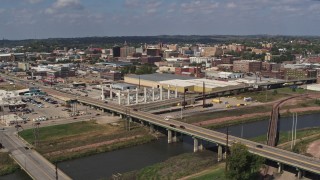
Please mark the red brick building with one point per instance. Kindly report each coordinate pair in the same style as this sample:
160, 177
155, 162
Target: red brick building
247, 66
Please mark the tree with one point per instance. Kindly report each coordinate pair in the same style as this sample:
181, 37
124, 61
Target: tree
242, 165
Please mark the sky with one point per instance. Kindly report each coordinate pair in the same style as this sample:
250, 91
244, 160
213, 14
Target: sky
37, 19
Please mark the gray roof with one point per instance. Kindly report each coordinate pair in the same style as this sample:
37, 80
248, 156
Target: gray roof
159, 77
123, 85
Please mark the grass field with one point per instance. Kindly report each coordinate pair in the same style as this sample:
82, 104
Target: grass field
10, 87
85, 138
7, 164
213, 173
249, 110
233, 112
271, 95
286, 136
175, 167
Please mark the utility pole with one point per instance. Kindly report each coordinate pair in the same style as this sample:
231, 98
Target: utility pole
292, 131
184, 98
295, 131
227, 149
242, 129
139, 81
36, 133
56, 170
266, 93
203, 95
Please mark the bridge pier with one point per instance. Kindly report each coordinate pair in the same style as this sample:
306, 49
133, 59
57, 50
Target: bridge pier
176, 93
112, 114
128, 97
175, 137
160, 93
145, 94
121, 116
201, 147
111, 91
168, 91
280, 167
220, 155
169, 136
300, 173
195, 144
119, 97
152, 93
137, 95
151, 128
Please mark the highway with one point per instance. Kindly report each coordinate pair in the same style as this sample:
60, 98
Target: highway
269, 152
29, 160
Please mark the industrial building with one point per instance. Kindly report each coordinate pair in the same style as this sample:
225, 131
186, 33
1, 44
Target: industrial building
196, 85
152, 80
175, 81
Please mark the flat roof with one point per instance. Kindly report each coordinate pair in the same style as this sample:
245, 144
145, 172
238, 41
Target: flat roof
159, 77
199, 82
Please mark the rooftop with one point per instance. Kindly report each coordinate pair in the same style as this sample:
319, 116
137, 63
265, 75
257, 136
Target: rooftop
159, 77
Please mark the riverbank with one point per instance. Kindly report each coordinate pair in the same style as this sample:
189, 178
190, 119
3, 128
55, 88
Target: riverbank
75, 140
250, 114
176, 167
7, 164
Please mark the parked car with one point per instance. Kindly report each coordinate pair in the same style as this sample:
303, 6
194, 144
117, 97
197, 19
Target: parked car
182, 127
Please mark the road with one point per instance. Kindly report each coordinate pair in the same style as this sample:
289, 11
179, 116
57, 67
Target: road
29, 160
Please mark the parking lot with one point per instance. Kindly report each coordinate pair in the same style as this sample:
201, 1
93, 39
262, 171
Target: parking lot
48, 108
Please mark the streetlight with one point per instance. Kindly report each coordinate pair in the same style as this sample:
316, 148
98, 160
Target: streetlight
184, 97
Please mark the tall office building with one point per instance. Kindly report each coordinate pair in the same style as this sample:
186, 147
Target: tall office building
116, 51
153, 52
126, 51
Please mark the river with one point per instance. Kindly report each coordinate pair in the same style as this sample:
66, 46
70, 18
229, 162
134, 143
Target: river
133, 158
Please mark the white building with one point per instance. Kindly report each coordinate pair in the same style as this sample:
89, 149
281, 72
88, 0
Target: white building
230, 75
11, 119
199, 60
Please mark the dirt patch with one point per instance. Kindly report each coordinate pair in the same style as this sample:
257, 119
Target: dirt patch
314, 149
90, 146
107, 119
253, 115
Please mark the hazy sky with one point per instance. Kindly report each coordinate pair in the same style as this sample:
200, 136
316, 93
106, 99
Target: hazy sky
21, 19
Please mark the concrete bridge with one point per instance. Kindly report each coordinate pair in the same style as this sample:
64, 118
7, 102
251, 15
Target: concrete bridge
200, 135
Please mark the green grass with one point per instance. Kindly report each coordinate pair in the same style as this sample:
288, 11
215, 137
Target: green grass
228, 112
7, 164
58, 131
54, 141
216, 174
286, 137
175, 167
301, 146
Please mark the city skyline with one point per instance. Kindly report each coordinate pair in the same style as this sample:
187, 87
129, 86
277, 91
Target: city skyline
28, 19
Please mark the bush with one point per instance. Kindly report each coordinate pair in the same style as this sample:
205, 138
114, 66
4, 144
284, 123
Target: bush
275, 92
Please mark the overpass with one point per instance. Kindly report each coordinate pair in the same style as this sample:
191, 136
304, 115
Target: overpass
199, 134
36, 166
